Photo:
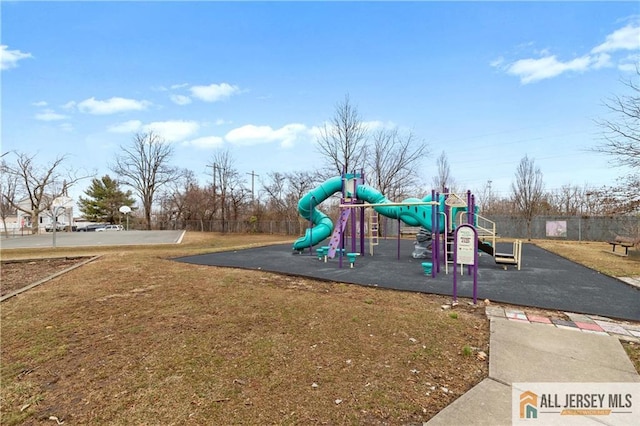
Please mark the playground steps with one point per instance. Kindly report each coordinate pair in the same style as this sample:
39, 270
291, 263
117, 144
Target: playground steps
514, 258
505, 259
338, 231
373, 230
502, 258
449, 246
486, 248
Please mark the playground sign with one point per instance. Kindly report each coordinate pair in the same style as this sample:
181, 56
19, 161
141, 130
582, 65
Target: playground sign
465, 252
465, 245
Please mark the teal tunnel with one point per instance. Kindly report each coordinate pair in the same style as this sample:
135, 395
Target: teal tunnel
412, 215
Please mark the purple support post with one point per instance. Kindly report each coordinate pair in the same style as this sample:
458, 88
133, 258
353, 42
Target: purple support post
445, 233
341, 245
469, 221
435, 255
474, 221
475, 259
362, 231
435, 230
455, 266
475, 272
399, 237
353, 229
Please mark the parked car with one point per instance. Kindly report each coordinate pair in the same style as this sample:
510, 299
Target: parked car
59, 227
110, 228
91, 228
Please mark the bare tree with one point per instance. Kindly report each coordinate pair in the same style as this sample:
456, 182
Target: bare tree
443, 180
283, 191
570, 200
486, 198
226, 180
8, 185
239, 197
343, 141
394, 162
621, 141
184, 200
275, 189
528, 190
621, 138
144, 166
39, 186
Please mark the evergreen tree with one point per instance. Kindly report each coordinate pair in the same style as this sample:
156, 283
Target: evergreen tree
104, 199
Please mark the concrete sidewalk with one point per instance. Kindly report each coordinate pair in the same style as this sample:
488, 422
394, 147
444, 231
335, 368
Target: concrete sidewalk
522, 351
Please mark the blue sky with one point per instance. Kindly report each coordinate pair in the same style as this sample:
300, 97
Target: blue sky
486, 82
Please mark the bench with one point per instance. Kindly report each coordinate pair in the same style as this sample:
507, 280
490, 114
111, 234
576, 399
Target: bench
625, 242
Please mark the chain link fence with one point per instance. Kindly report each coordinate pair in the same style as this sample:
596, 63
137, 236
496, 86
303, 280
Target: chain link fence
576, 228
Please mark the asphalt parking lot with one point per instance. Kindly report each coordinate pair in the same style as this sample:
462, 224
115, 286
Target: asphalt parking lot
86, 239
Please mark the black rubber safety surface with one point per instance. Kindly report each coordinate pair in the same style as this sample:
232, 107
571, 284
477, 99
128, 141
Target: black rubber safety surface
545, 280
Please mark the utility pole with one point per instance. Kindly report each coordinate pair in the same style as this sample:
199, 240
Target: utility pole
214, 168
253, 175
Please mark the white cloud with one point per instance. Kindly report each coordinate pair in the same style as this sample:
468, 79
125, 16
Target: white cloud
206, 142
40, 104
173, 130
50, 115
172, 87
377, 124
69, 105
603, 60
286, 136
629, 63
214, 92
111, 106
180, 99
548, 66
179, 86
531, 70
9, 58
497, 62
626, 38
126, 127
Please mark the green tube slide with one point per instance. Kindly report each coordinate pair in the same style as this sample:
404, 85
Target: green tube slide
411, 215
323, 226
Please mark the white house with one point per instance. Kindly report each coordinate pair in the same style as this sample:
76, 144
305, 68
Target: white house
64, 206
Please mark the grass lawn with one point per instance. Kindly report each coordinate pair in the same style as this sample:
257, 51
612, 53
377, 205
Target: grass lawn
135, 338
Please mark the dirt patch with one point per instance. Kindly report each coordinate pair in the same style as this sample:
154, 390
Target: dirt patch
17, 274
633, 350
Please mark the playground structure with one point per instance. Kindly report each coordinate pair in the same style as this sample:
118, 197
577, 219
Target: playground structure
438, 216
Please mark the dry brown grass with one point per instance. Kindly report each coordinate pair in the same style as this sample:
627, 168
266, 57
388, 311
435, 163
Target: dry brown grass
135, 338
596, 255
